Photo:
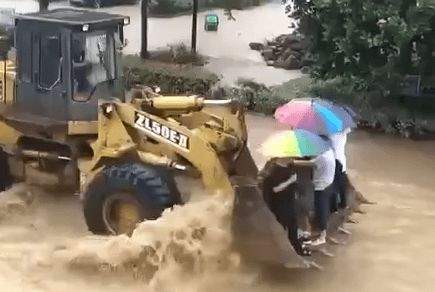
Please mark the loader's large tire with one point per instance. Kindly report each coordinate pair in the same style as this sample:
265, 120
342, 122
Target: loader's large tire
142, 192
5, 176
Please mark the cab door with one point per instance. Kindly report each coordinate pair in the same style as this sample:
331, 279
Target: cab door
50, 87
41, 79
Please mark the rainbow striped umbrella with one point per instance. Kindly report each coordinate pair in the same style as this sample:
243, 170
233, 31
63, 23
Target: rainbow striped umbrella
310, 115
293, 143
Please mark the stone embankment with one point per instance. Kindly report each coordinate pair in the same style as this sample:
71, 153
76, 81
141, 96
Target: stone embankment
287, 51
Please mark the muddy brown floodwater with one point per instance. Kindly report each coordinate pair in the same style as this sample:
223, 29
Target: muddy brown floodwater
44, 244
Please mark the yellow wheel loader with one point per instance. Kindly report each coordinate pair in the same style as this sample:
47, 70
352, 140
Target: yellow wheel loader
64, 115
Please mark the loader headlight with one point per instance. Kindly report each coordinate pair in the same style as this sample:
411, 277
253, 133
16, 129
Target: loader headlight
85, 27
127, 21
108, 109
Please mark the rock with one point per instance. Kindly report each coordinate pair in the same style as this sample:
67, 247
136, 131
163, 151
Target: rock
285, 54
256, 46
299, 45
291, 39
292, 63
287, 51
296, 54
273, 43
278, 64
305, 70
268, 55
282, 38
278, 50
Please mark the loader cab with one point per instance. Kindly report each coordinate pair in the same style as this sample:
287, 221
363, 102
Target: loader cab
67, 60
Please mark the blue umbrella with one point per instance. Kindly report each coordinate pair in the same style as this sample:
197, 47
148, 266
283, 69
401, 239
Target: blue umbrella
310, 115
345, 113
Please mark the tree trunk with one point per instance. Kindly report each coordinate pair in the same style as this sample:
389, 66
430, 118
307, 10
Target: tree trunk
144, 17
194, 24
43, 5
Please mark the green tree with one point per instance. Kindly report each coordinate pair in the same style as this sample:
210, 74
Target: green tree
375, 43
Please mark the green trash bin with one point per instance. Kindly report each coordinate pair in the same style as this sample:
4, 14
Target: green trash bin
211, 22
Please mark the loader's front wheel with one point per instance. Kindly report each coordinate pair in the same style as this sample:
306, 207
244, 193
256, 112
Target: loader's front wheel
121, 196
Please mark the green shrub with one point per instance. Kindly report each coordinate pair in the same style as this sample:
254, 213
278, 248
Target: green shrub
172, 79
181, 54
168, 7
178, 54
264, 99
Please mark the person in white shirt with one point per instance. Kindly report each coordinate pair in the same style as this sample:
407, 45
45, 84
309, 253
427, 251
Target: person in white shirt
342, 183
323, 179
338, 143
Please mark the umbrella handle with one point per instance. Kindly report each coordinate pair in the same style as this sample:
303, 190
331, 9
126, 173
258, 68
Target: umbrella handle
309, 163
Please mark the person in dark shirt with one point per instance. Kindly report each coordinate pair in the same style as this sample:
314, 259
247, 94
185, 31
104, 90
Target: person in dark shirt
279, 184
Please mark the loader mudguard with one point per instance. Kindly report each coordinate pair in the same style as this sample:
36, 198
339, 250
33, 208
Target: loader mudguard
257, 234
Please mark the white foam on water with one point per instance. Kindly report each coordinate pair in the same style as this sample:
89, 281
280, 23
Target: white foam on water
184, 247
189, 247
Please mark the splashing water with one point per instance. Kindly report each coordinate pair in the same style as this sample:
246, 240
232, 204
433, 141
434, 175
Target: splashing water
189, 240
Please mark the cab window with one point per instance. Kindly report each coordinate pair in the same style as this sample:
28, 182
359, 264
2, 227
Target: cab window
50, 61
93, 62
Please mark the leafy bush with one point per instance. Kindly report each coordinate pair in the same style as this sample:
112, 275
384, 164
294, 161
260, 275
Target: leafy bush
181, 54
172, 79
376, 42
264, 99
168, 7
178, 54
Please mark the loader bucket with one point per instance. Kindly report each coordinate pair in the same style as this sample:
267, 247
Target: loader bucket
257, 234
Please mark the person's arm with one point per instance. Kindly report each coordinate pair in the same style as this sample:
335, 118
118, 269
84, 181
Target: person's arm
265, 172
285, 184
